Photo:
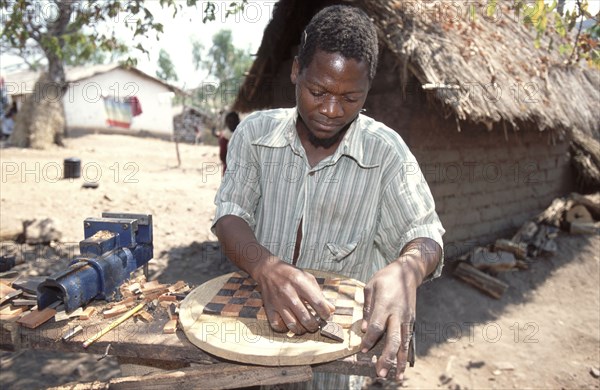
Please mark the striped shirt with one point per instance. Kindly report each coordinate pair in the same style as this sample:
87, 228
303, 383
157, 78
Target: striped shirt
358, 207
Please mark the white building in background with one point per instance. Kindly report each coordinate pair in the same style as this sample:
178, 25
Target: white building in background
107, 97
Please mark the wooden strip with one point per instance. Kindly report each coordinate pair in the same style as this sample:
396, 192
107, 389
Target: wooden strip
87, 313
154, 286
72, 332
36, 318
145, 316
5, 289
10, 295
173, 311
129, 301
61, 316
115, 311
10, 312
177, 286
216, 376
134, 288
24, 302
167, 298
170, 327
481, 280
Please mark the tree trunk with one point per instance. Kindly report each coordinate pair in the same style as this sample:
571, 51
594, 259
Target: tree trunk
41, 121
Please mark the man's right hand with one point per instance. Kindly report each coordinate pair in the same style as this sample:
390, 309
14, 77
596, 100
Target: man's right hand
287, 292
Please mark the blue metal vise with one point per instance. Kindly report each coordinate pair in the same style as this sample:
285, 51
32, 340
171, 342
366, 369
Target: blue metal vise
114, 246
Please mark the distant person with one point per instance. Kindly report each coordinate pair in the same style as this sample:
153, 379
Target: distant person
197, 135
8, 123
232, 120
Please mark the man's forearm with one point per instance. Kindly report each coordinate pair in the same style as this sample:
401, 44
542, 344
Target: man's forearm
423, 254
240, 244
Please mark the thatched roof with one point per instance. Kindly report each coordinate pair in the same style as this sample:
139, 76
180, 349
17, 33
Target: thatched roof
480, 69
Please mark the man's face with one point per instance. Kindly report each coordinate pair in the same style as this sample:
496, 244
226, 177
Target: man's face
330, 92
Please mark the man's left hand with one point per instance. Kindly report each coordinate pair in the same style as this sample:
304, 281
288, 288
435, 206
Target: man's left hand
390, 305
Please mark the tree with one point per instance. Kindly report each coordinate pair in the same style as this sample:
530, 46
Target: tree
81, 53
54, 26
226, 64
550, 20
166, 69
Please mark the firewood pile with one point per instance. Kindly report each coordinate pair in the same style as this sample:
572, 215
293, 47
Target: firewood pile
575, 214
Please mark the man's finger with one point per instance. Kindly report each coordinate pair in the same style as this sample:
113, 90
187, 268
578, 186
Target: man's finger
402, 357
275, 321
367, 309
373, 334
291, 322
393, 339
315, 298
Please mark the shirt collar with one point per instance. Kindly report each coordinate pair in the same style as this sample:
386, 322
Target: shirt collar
285, 134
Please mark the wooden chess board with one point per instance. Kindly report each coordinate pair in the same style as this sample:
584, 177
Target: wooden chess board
225, 317
240, 297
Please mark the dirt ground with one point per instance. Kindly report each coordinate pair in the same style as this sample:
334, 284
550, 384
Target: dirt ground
543, 334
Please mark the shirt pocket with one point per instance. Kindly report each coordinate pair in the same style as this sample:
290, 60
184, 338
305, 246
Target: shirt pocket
338, 252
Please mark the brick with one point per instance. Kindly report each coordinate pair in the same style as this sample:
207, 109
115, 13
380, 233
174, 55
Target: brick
479, 202
444, 189
439, 155
456, 203
465, 217
511, 208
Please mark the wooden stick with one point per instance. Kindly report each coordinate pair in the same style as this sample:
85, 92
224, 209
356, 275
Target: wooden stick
488, 284
113, 325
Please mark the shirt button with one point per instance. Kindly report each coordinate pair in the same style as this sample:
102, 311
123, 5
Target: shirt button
311, 173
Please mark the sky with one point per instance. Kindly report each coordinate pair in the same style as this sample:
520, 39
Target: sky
247, 29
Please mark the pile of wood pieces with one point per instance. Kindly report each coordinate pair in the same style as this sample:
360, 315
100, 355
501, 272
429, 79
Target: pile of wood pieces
139, 299
576, 214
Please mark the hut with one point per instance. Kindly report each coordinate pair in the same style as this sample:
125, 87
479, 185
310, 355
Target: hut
110, 97
191, 124
488, 116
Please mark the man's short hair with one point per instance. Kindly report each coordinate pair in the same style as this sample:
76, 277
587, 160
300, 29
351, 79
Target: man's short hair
340, 29
232, 120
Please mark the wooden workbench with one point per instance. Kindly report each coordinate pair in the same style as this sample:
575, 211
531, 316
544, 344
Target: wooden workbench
144, 343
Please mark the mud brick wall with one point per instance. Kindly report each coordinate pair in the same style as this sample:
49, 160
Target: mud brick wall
486, 184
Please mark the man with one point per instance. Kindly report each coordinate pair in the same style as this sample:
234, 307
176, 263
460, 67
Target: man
321, 186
